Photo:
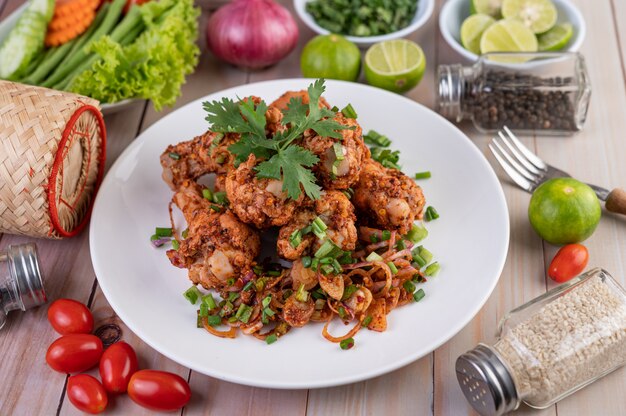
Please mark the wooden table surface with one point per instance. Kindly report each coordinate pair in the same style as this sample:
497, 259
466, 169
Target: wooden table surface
426, 387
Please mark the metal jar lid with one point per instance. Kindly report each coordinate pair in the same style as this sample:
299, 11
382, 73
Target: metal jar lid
24, 268
486, 382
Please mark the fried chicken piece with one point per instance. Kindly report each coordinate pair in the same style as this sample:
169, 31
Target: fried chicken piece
261, 202
218, 246
387, 198
335, 209
297, 313
344, 173
191, 159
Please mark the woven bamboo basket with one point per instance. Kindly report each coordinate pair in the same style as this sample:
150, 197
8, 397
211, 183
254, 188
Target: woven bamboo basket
52, 150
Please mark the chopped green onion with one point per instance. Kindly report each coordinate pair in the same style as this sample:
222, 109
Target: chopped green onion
315, 262
373, 256
349, 291
192, 294
432, 270
154, 237
325, 249
425, 254
207, 194
243, 313
394, 269
349, 112
227, 309
271, 339
185, 233
266, 301
374, 238
306, 261
249, 285
431, 214
418, 259
337, 266
386, 235
220, 158
342, 312
419, 295
345, 258
258, 270
327, 269
320, 223
214, 320
175, 244
346, 344
319, 294
367, 321
233, 296
232, 319
295, 239
269, 312
220, 198
199, 321
174, 155
209, 301
230, 281
302, 295
326, 260
400, 245
163, 232
335, 109
216, 208
274, 273
409, 286
338, 148
377, 139
417, 233
306, 230
319, 233
204, 310
422, 175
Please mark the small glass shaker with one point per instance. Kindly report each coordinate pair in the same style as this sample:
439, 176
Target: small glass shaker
549, 347
21, 286
543, 92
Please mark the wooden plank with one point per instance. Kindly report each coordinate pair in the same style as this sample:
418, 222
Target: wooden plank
68, 273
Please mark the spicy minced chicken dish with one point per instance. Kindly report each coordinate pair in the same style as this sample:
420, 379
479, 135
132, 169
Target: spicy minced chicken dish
343, 212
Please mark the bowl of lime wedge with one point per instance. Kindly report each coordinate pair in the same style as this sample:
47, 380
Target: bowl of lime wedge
474, 27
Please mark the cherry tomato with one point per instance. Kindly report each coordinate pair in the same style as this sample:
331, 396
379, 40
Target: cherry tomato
117, 365
86, 393
159, 390
569, 261
74, 353
68, 316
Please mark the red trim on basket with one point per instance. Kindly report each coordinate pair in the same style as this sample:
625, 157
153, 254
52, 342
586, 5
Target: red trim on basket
58, 164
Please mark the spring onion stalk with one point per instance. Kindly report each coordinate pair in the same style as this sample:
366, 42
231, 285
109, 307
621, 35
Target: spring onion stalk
376, 139
209, 301
373, 256
320, 223
417, 234
249, 285
204, 310
271, 339
163, 232
214, 320
425, 254
346, 344
192, 295
419, 295
418, 259
432, 269
394, 269
431, 214
325, 249
367, 321
207, 194
220, 198
175, 244
349, 112
422, 175
306, 261
302, 295
295, 239
349, 291
386, 235
409, 286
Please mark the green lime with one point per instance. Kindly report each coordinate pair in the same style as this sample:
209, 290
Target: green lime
564, 211
508, 36
555, 38
472, 29
395, 65
538, 15
488, 7
331, 56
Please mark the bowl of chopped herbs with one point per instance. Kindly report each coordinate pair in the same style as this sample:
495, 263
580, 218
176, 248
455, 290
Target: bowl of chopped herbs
365, 22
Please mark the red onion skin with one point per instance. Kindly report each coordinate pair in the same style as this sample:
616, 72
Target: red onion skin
252, 34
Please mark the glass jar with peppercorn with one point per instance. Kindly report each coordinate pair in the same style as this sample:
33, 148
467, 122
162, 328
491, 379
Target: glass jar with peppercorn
543, 92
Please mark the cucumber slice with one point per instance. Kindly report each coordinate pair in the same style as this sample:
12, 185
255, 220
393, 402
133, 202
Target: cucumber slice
45, 7
22, 44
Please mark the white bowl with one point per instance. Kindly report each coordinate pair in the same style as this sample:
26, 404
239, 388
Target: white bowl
423, 12
454, 12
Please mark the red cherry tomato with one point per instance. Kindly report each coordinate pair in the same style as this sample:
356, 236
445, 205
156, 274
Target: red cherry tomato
74, 353
86, 393
68, 316
569, 261
159, 390
117, 365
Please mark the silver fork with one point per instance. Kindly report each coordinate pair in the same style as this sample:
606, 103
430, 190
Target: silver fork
529, 171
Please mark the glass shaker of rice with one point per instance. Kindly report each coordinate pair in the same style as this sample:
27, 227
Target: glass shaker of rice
549, 347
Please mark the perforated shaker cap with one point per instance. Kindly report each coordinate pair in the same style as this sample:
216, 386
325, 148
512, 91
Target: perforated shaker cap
486, 382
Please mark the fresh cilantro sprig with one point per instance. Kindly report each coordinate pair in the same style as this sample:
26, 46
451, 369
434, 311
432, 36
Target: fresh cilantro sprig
283, 160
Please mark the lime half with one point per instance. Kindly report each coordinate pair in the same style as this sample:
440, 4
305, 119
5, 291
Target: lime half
538, 15
472, 30
395, 65
508, 36
488, 7
556, 38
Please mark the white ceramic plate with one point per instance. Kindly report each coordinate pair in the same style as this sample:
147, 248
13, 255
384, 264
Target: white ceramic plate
470, 240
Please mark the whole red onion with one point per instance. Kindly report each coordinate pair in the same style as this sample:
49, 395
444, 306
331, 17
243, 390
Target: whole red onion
252, 33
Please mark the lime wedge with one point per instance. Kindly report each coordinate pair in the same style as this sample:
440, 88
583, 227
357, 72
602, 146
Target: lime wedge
555, 38
488, 7
508, 36
472, 30
395, 65
538, 15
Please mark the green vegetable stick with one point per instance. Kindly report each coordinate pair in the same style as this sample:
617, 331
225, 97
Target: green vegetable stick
82, 40
35, 64
51, 60
108, 23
